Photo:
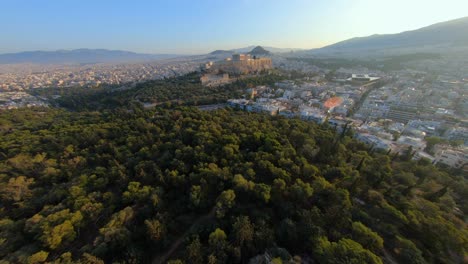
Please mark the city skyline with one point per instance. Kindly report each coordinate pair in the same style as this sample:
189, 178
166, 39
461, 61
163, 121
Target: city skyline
184, 27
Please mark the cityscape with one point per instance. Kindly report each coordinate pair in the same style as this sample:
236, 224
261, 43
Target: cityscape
234, 132
391, 111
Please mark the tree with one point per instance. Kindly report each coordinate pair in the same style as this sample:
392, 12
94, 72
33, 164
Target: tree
115, 233
407, 252
16, 190
217, 238
408, 154
38, 257
58, 234
366, 237
225, 201
277, 261
262, 191
65, 258
135, 193
156, 229
195, 195
287, 233
309, 226
212, 259
242, 184
301, 191
90, 259
345, 251
431, 142
243, 231
175, 261
262, 175
55, 229
194, 251
218, 244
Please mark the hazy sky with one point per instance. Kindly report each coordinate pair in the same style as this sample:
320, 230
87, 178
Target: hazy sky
194, 26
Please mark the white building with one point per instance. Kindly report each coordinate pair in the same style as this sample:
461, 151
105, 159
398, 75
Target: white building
377, 142
420, 154
416, 143
238, 103
312, 114
452, 157
271, 108
457, 133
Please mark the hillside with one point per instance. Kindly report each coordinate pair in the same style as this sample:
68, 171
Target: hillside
184, 90
259, 51
438, 37
78, 56
250, 48
135, 185
222, 52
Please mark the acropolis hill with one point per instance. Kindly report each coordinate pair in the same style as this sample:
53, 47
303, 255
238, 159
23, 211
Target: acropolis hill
238, 64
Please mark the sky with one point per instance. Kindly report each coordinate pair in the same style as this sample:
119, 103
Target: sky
200, 26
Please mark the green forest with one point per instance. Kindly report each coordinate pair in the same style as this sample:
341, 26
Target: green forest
183, 90
173, 184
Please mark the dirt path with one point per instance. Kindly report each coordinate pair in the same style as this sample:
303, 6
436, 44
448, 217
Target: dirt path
389, 258
163, 258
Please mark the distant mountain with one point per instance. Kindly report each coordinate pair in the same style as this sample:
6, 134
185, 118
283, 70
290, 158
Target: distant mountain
437, 37
271, 49
79, 56
250, 48
259, 51
222, 52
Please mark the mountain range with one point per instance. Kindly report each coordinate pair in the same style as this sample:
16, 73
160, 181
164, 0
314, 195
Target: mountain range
441, 37
450, 36
249, 49
253, 50
79, 56
92, 56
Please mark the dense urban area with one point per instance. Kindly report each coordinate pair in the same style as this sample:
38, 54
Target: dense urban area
422, 105
236, 158
234, 132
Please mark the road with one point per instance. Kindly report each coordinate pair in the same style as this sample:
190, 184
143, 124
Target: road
211, 107
163, 258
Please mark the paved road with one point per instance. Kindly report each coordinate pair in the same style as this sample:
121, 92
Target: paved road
211, 107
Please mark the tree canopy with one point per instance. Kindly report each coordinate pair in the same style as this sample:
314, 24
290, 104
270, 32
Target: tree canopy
135, 185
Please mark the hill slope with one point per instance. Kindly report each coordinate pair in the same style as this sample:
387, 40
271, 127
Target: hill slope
250, 48
259, 51
452, 34
128, 184
134, 185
